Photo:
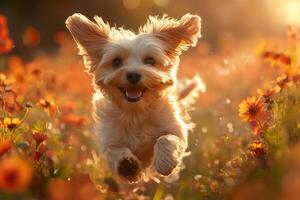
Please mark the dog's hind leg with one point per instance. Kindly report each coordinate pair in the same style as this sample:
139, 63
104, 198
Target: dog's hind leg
123, 162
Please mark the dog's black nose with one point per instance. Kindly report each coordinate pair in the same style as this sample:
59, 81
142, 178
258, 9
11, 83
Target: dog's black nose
133, 77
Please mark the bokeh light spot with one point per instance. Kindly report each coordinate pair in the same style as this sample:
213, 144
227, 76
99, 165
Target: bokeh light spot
292, 9
161, 3
31, 37
131, 4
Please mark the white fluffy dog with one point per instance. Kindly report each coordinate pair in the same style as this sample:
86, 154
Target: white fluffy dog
139, 111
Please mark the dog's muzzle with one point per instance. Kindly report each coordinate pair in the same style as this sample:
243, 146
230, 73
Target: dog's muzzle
133, 94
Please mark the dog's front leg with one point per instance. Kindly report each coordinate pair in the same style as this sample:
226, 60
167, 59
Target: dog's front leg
168, 152
123, 162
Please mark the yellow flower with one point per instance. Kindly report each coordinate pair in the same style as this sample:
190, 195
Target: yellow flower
251, 108
11, 122
15, 174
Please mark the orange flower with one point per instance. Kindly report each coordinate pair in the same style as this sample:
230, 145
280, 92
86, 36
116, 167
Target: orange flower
268, 92
31, 37
251, 108
257, 149
3, 26
3, 32
3, 21
49, 105
15, 174
5, 146
283, 81
11, 122
6, 45
74, 120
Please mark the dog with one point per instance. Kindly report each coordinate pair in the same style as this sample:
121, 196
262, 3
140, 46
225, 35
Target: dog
140, 113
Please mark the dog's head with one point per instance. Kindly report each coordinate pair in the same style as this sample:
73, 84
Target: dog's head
131, 67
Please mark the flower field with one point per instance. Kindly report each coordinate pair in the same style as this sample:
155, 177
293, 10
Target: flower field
245, 144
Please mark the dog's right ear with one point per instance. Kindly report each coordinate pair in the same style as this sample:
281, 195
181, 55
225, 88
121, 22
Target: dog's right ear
89, 37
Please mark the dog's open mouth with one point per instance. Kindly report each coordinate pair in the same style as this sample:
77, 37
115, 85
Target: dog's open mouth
133, 94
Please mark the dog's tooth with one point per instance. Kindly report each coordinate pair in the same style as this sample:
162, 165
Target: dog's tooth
126, 93
137, 95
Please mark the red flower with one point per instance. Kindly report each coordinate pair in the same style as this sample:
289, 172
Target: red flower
39, 137
5, 146
257, 149
284, 59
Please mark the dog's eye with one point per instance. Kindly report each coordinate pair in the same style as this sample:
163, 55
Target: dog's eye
117, 62
149, 61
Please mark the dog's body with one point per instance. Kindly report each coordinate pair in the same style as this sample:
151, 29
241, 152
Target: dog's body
140, 116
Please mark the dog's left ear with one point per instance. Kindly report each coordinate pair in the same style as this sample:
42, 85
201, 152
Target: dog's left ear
176, 35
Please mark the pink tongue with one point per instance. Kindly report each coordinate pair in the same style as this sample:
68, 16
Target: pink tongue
133, 92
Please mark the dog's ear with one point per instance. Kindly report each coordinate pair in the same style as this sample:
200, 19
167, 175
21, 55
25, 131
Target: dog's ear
89, 37
176, 35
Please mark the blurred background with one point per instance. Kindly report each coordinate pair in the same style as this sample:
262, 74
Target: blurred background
231, 18
248, 48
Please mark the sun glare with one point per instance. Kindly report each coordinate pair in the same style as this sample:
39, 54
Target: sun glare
292, 12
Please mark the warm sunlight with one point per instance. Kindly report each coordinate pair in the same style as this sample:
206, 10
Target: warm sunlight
150, 99
292, 11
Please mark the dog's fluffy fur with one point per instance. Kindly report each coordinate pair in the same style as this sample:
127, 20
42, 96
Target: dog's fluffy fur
142, 123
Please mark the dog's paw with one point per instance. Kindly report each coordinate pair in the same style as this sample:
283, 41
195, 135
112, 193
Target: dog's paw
167, 154
166, 166
129, 168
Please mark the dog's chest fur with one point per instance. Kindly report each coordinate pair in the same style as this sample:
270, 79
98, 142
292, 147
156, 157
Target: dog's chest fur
137, 131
